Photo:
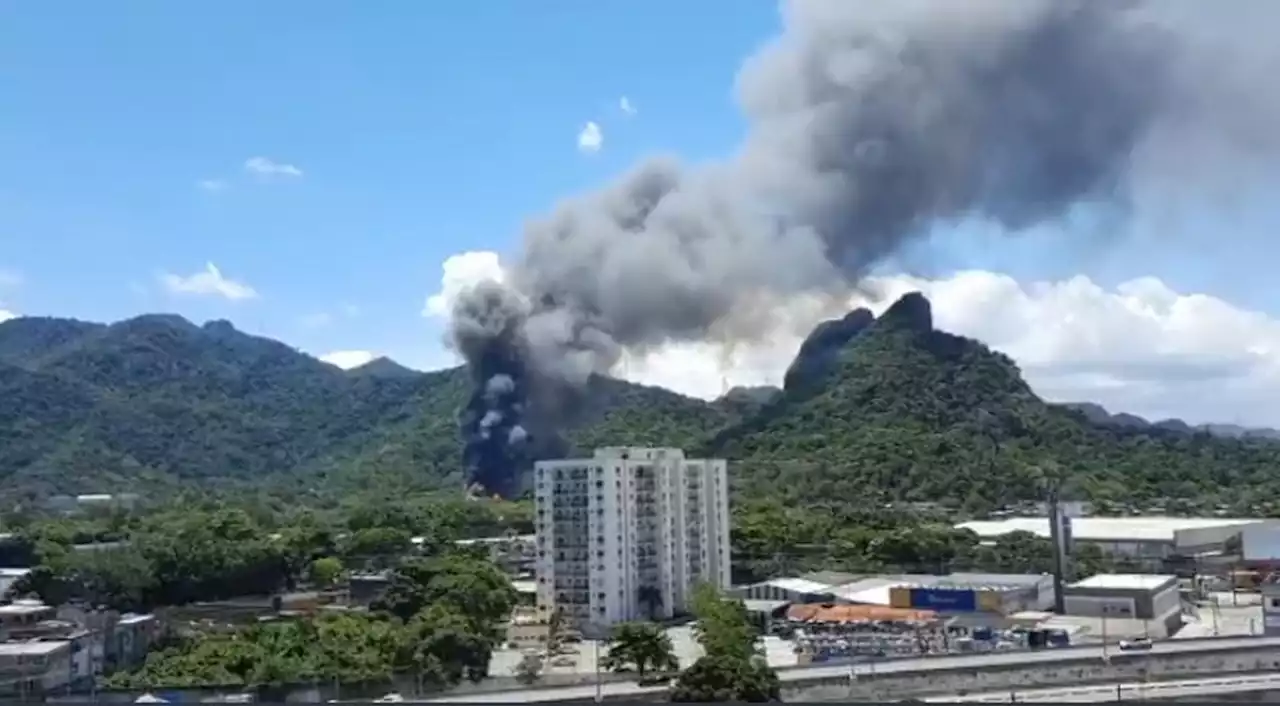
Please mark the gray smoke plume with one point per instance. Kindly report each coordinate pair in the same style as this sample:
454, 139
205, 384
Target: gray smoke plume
871, 123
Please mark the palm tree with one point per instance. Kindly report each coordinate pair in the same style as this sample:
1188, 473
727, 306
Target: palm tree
642, 648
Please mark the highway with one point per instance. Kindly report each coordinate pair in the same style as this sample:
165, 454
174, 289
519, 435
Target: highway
870, 668
1215, 686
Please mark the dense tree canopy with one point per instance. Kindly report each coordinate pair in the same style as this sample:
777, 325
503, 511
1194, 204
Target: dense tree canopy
210, 550
903, 413
441, 645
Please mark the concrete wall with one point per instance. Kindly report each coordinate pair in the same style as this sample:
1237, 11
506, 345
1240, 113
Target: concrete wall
1190, 541
1123, 667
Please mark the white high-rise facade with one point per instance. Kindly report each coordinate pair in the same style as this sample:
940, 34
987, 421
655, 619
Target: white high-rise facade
628, 534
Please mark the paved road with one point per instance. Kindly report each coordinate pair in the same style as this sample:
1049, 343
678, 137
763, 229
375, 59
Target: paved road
1125, 691
919, 664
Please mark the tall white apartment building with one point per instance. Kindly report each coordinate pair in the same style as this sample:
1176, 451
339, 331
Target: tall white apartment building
628, 533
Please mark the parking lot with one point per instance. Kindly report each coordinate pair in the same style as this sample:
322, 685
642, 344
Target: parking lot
581, 657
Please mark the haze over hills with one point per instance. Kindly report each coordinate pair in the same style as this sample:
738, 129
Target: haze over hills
1099, 415
873, 409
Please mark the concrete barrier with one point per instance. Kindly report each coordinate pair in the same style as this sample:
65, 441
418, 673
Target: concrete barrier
968, 673
1122, 667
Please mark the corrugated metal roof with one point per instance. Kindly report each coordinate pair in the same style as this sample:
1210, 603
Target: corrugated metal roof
873, 591
800, 586
1142, 582
833, 578
1105, 529
761, 606
1027, 580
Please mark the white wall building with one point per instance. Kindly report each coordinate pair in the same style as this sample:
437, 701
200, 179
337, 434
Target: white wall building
627, 534
1149, 539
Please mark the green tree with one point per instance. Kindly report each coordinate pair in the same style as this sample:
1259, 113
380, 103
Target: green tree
470, 586
732, 668
723, 627
723, 678
444, 647
640, 647
326, 571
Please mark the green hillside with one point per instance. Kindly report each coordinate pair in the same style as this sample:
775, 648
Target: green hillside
911, 413
890, 410
157, 402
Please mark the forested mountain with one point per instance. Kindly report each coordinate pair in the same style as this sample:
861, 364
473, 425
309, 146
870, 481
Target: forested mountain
874, 410
1099, 415
157, 401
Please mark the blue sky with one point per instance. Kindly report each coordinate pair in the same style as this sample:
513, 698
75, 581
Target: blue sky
417, 130
421, 129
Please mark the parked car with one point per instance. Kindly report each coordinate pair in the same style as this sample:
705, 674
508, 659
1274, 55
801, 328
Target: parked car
1137, 643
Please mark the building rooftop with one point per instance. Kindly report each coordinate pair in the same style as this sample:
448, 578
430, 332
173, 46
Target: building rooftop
135, 618
800, 586
489, 540
1143, 582
24, 607
35, 647
834, 578
759, 606
872, 591
969, 579
1103, 529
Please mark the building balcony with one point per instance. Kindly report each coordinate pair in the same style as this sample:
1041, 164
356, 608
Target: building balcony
574, 515
579, 542
572, 585
570, 598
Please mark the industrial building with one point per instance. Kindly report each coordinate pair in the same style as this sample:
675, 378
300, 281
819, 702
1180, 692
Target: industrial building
1152, 600
997, 594
1147, 541
628, 533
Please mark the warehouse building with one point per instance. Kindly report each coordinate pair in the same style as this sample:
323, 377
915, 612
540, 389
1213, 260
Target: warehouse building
997, 594
1123, 599
1148, 541
1002, 594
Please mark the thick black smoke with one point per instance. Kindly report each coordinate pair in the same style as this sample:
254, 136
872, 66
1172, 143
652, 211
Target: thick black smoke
871, 123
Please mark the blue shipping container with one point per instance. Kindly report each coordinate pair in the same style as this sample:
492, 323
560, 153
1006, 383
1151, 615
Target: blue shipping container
944, 599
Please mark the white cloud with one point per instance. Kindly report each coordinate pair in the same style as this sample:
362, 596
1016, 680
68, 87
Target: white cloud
211, 185
625, 105
459, 272
5, 315
590, 139
348, 359
264, 167
208, 282
1139, 347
